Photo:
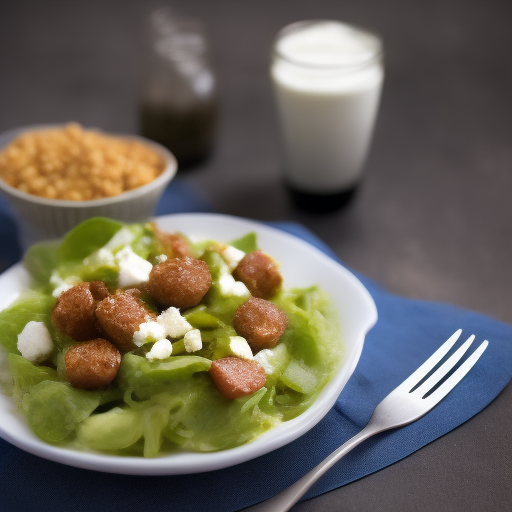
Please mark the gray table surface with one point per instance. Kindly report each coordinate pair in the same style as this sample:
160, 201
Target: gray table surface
432, 221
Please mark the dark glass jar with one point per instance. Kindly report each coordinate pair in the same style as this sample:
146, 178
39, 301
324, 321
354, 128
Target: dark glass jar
178, 98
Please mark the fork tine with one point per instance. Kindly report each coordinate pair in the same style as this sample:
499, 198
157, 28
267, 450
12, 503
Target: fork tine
431, 362
457, 376
445, 368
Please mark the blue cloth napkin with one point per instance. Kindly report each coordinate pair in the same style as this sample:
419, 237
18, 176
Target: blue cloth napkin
406, 334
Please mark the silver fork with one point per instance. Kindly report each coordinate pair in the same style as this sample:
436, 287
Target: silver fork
403, 405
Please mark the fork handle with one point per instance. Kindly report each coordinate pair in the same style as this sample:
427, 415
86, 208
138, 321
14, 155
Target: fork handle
288, 497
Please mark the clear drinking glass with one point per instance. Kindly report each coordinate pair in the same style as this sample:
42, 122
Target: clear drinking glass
327, 78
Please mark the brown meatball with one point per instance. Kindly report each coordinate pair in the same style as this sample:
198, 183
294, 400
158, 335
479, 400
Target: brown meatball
92, 364
179, 282
236, 377
120, 316
73, 313
260, 322
174, 245
99, 290
260, 273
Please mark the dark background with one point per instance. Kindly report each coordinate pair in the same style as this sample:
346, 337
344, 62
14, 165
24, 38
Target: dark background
432, 220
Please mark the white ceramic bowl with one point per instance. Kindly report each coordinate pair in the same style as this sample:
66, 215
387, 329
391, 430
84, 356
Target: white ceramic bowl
301, 265
43, 219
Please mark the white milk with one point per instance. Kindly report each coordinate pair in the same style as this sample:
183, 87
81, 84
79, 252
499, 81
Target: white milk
327, 78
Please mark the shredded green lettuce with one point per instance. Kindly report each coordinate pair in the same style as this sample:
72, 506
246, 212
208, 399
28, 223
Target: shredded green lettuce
157, 407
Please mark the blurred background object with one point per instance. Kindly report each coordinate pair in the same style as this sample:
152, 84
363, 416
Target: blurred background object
327, 77
178, 97
54, 177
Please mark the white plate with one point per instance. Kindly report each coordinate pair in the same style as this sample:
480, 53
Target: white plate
301, 265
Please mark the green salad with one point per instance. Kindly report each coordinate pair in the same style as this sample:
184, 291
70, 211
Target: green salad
132, 341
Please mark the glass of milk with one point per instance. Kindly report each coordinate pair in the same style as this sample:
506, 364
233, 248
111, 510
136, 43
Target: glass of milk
327, 77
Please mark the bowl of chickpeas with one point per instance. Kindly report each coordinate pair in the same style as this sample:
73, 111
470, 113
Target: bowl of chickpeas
56, 176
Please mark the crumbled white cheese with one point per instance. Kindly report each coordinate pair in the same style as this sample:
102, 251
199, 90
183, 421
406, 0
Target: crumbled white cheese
273, 359
239, 347
232, 256
35, 342
193, 340
162, 349
229, 286
263, 357
55, 278
133, 269
173, 323
161, 258
148, 331
122, 238
62, 285
101, 258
